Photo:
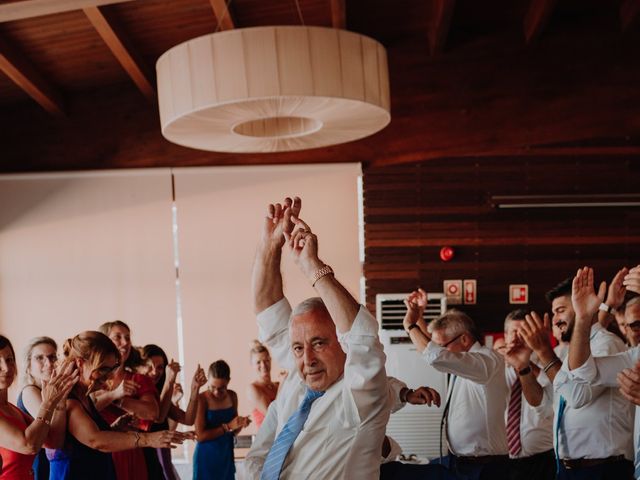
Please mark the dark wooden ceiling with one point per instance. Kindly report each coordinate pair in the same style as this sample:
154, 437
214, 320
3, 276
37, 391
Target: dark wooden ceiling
494, 78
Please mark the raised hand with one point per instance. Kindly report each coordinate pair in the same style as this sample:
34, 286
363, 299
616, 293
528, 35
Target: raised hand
518, 356
172, 370
177, 394
535, 331
416, 302
198, 380
617, 290
238, 423
632, 279
583, 296
303, 246
629, 381
279, 220
423, 396
127, 388
60, 384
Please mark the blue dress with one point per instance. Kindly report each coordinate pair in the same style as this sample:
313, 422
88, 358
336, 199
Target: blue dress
40, 463
213, 459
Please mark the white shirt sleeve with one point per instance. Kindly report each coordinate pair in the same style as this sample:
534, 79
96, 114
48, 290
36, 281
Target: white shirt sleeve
261, 444
273, 331
364, 370
395, 386
477, 366
582, 385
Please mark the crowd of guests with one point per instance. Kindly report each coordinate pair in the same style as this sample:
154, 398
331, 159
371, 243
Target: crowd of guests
109, 410
526, 409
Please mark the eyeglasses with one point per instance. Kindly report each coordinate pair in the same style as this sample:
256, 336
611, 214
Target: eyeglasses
102, 372
445, 345
53, 358
635, 325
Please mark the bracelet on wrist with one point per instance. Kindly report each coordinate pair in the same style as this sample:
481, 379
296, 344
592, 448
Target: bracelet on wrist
44, 420
137, 439
321, 272
412, 326
525, 371
550, 364
225, 428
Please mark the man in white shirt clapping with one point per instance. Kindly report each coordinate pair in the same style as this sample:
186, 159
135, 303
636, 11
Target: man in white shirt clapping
594, 422
477, 397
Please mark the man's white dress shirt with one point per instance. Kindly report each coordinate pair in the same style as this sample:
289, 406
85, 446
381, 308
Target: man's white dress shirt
536, 423
598, 421
475, 423
342, 437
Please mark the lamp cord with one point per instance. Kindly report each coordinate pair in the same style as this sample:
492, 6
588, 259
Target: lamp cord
299, 12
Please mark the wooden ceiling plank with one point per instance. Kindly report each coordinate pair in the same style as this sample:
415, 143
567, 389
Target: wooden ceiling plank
113, 35
23, 74
338, 14
36, 8
223, 15
537, 18
440, 24
629, 11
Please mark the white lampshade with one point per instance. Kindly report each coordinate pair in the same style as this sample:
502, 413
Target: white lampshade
273, 89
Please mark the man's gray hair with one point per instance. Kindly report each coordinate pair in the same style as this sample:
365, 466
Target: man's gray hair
454, 322
308, 305
518, 314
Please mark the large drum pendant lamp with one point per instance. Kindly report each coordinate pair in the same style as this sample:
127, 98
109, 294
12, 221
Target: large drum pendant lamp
273, 89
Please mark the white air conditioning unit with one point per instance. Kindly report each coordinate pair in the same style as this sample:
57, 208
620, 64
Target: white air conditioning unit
416, 428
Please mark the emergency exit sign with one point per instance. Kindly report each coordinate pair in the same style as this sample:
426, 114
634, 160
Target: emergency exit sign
518, 294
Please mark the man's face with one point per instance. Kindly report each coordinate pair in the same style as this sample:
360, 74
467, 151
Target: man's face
511, 333
632, 322
319, 357
563, 316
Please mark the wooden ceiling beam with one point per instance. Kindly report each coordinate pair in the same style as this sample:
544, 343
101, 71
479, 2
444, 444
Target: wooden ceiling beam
442, 13
338, 14
629, 11
537, 18
14, 64
113, 35
223, 14
37, 8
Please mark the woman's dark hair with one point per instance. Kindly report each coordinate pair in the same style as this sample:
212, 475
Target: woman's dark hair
220, 369
5, 342
152, 350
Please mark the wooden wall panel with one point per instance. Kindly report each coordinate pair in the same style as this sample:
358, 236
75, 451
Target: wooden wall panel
412, 211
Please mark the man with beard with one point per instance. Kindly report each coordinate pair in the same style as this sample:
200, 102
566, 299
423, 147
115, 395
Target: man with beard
593, 423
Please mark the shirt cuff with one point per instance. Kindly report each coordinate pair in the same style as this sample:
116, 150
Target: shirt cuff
432, 352
270, 318
585, 373
364, 325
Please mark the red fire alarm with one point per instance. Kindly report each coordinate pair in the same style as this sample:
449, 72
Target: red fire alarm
446, 253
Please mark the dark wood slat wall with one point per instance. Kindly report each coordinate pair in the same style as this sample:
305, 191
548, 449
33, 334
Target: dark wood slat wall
412, 211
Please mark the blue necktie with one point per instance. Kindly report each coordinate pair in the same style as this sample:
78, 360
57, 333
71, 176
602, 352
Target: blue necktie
561, 406
280, 448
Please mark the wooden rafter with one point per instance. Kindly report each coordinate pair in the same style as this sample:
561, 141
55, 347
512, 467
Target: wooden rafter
439, 26
23, 74
37, 8
113, 35
338, 14
223, 15
537, 18
629, 11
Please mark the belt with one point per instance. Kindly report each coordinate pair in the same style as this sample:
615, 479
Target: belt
483, 459
572, 463
548, 453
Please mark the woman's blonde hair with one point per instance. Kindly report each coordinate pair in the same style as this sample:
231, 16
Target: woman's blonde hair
93, 347
257, 348
27, 378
